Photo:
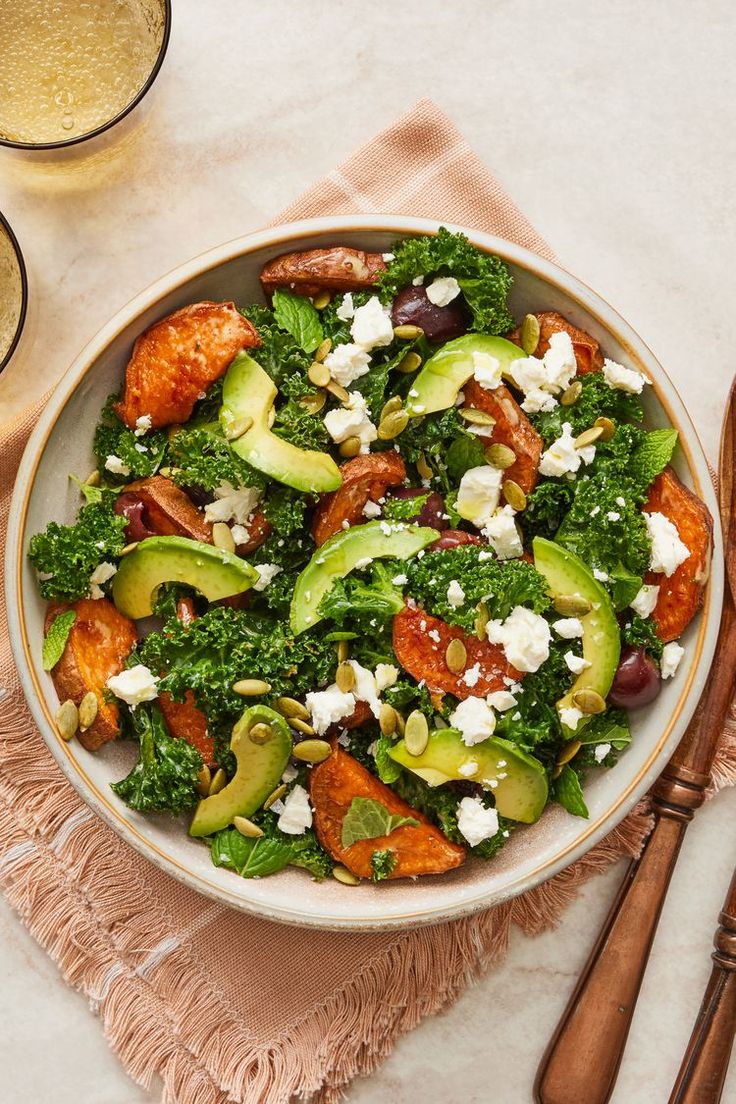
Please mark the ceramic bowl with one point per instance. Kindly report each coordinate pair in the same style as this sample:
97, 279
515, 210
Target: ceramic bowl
61, 443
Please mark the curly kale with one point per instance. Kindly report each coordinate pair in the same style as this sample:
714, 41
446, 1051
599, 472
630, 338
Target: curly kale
440, 804
546, 507
279, 353
533, 723
202, 458
638, 632
596, 400
164, 780
141, 455
284, 509
296, 425
484, 279
362, 603
383, 864
66, 555
432, 437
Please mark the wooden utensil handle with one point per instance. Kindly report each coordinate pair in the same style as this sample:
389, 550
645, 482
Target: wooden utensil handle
705, 1064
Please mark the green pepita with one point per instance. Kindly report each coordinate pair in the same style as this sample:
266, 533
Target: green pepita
312, 751
247, 828
476, 417
407, 332
222, 536
409, 363
456, 657
349, 447
88, 710
572, 605
322, 300
260, 733
323, 349
67, 719
588, 701
514, 495
218, 782
500, 456
572, 393
290, 707
589, 437
319, 374
344, 876
416, 733
251, 688
238, 428
393, 425
530, 330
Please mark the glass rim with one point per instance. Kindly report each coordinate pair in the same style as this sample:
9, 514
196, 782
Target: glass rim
11, 143
5, 225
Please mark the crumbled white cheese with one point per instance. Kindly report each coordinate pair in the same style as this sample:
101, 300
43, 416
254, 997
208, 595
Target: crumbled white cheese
232, 504
623, 379
601, 751
115, 465
134, 685
140, 448
371, 326
468, 769
474, 719
562, 457
455, 594
400, 580
418, 281
645, 600
503, 534
501, 700
571, 717
347, 363
668, 551
241, 534
364, 561
345, 310
266, 573
530, 376
328, 706
524, 637
601, 576
576, 664
478, 494
487, 371
101, 574
142, 425
475, 822
296, 815
371, 510
620, 500
613, 515
366, 688
671, 655
290, 773
559, 361
568, 627
351, 420
443, 290
472, 676
385, 675
388, 257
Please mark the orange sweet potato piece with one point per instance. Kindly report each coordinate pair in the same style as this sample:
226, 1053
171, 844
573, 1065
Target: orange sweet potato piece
186, 722
100, 641
680, 596
178, 358
512, 428
336, 269
363, 478
420, 849
423, 656
169, 510
587, 350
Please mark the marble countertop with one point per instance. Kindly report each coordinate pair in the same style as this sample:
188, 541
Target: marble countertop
611, 126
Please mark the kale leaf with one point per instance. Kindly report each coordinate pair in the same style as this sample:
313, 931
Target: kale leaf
295, 424
440, 804
142, 455
404, 509
284, 509
66, 555
164, 780
639, 632
205, 460
365, 602
546, 507
383, 864
596, 400
279, 354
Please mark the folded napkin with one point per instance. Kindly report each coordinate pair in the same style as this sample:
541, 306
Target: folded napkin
306, 1011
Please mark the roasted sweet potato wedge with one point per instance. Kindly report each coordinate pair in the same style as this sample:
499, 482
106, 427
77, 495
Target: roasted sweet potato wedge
186, 722
365, 477
680, 596
420, 849
178, 358
420, 643
100, 641
169, 511
587, 351
315, 270
259, 530
512, 428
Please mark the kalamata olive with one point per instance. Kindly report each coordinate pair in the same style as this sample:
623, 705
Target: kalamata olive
431, 513
637, 680
454, 538
131, 507
412, 307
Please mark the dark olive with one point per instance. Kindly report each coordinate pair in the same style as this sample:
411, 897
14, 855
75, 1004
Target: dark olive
637, 680
130, 506
412, 307
454, 538
432, 513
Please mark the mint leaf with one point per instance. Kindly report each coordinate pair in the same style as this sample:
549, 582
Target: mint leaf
568, 792
653, 455
297, 315
251, 858
56, 638
367, 819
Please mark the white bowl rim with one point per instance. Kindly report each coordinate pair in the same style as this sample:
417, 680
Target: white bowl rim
288, 236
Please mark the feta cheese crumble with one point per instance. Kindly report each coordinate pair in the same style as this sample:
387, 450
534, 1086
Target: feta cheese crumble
568, 627
524, 637
232, 504
385, 675
601, 751
371, 510
619, 378
542, 379
134, 685
115, 465
668, 551
571, 717
142, 425
266, 573
645, 600
296, 815
671, 655
365, 688
347, 362
475, 822
345, 310
474, 719
455, 594
562, 457
479, 494
601, 576
472, 676
328, 706
487, 371
576, 664
501, 700
443, 290
503, 534
101, 574
371, 326
351, 420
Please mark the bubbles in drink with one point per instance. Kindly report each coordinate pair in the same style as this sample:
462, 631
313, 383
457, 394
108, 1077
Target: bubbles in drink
11, 293
69, 66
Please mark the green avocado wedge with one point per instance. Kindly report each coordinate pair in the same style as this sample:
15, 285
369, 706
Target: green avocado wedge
518, 781
212, 571
437, 385
339, 555
259, 768
566, 574
249, 392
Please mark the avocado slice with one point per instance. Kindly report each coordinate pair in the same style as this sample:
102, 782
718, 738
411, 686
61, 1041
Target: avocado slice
258, 773
566, 574
340, 554
437, 385
212, 571
249, 392
518, 781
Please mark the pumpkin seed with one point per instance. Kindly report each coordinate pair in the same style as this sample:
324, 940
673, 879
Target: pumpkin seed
319, 374
344, 876
408, 333
67, 719
129, 548
301, 726
400, 723
350, 447
588, 437
394, 403
251, 688
338, 391
88, 710
423, 467
343, 651
409, 363
290, 707
313, 403
568, 752
238, 428
218, 782
93, 479
323, 349
312, 751
572, 605
481, 621
169, 473
247, 828
204, 781
456, 656
260, 733
393, 425
322, 300
557, 771
514, 495
345, 677
277, 793
530, 334
416, 734
608, 427
476, 417
222, 536
500, 456
588, 701
572, 393
387, 719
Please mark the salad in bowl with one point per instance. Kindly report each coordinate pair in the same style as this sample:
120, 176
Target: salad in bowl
371, 571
